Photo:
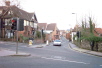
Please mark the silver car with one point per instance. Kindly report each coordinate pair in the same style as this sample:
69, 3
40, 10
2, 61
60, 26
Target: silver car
57, 42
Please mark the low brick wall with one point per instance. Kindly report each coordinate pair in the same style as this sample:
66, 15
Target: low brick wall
86, 45
38, 41
100, 46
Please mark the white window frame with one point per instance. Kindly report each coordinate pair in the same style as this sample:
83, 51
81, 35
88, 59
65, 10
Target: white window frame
0, 11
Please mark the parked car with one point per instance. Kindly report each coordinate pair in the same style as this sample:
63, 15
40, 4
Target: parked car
57, 42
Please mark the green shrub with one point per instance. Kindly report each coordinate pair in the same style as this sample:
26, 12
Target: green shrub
93, 38
38, 34
24, 38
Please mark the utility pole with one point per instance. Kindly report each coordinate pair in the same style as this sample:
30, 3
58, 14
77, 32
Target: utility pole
17, 35
0, 29
41, 37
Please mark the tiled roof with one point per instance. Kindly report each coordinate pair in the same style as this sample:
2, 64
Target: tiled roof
17, 13
73, 30
46, 26
51, 26
98, 30
42, 25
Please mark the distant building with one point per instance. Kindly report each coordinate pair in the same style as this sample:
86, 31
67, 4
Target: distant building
98, 32
51, 30
63, 33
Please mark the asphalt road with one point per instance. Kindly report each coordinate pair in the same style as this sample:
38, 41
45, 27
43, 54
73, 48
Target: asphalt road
49, 57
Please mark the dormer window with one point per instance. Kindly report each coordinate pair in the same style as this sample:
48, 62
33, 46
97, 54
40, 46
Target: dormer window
10, 12
32, 17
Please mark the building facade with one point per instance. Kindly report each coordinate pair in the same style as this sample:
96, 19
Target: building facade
8, 13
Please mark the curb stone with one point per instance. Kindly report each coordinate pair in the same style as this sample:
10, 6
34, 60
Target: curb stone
21, 54
99, 54
7, 52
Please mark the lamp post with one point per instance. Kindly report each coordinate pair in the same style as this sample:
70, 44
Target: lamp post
77, 30
76, 27
76, 21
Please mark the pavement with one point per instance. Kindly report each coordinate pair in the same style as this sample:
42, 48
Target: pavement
74, 47
7, 52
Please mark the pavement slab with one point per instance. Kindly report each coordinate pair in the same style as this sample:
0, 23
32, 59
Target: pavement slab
7, 52
4, 52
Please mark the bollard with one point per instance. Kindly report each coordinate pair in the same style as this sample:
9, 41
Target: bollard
30, 42
47, 42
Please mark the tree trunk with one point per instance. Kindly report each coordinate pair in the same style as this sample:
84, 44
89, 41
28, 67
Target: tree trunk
92, 45
96, 46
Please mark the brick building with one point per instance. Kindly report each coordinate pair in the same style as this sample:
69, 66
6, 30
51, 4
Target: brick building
8, 12
51, 31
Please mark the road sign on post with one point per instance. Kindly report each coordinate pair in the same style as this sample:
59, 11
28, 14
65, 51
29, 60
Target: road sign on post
20, 25
78, 34
42, 31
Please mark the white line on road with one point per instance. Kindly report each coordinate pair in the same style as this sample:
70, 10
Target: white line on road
66, 60
54, 50
100, 65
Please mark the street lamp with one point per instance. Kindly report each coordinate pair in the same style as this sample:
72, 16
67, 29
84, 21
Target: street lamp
78, 32
76, 21
76, 26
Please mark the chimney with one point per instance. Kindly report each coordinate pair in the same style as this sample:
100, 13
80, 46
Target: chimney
7, 3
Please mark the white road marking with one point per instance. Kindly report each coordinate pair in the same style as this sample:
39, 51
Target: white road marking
66, 60
100, 65
58, 57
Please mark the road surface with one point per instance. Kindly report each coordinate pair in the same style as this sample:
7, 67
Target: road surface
48, 57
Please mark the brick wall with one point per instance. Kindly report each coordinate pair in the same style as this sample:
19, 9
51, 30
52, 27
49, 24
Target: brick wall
86, 45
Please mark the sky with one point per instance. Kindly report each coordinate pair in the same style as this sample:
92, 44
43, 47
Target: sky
60, 11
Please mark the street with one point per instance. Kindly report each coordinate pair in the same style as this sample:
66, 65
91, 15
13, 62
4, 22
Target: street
49, 57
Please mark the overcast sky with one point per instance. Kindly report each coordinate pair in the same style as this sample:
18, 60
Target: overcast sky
60, 11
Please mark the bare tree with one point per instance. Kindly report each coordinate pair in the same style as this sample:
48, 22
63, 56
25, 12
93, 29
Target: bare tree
16, 3
12, 2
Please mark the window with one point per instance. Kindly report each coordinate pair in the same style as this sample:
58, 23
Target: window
31, 24
9, 33
100, 34
8, 22
25, 23
32, 17
0, 11
10, 12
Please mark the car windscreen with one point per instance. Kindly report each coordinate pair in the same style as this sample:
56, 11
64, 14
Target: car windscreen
57, 41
